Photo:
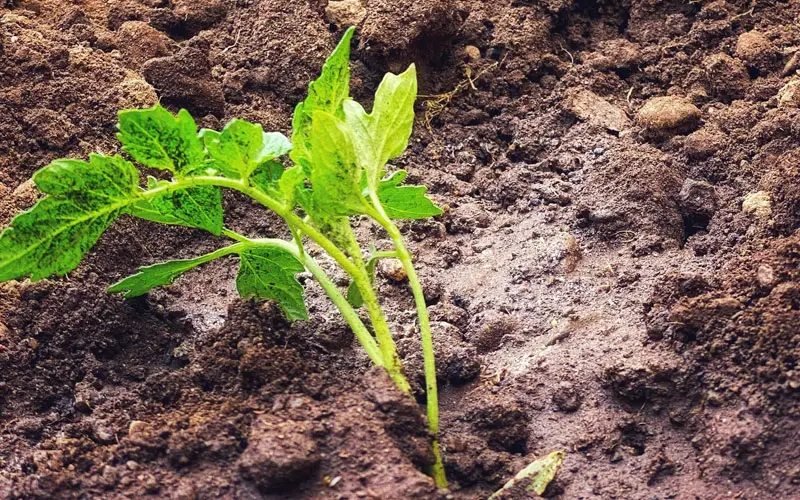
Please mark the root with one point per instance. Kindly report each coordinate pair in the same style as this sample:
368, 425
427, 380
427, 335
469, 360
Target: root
436, 104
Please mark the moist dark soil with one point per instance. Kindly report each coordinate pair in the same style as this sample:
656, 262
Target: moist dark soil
616, 275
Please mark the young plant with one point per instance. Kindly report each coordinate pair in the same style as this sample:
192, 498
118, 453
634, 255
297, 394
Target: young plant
339, 154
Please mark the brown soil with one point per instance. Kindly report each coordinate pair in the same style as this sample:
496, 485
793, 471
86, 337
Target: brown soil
615, 276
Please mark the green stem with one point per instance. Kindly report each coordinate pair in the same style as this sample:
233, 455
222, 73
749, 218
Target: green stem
235, 236
362, 334
378, 318
359, 329
388, 254
391, 361
429, 358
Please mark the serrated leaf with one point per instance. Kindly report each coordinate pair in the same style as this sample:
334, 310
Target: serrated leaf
405, 202
144, 209
157, 139
199, 207
335, 227
163, 273
147, 210
336, 175
83, 199
291, 180
326, 93
383, 134
269, 273
279, 183
242, 147
273, 145
267, 176
535, 477
207, 134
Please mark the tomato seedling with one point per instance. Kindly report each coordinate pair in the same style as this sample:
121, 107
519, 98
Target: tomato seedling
339, 154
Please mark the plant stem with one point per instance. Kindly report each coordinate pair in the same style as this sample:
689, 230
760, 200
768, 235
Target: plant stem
391, 361
425, 332
236, 236
390, 358
387, 254
362, 334
382, 332
359, 329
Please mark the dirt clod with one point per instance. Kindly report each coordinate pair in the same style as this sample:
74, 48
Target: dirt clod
140, 42
51, 129
567, 397
394, 27
345, 13
588, 106
727, 77
757, 51
703, 143
487, 332
503, 424
462, 365
669, 114
279, 453
184, 80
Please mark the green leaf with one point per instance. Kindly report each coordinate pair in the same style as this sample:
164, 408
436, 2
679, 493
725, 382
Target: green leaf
157, 139
536, 476
269, 273
273, 145
291, 180
267, 176
199, 207
242, 147
354, 295
206, 135
163, 273
144, 209
326, 93
83, 200
405, 202
383, 134
336, 175
335, 227
277, 182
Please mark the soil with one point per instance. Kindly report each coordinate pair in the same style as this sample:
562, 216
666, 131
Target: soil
617, 274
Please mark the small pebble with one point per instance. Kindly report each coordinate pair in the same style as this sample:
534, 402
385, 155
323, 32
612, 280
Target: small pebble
758, 204
472, 53
669, 114
392, 269
789, 95
765, 276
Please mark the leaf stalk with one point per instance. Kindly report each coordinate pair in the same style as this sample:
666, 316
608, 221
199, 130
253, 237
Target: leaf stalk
429, 359
390, 359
